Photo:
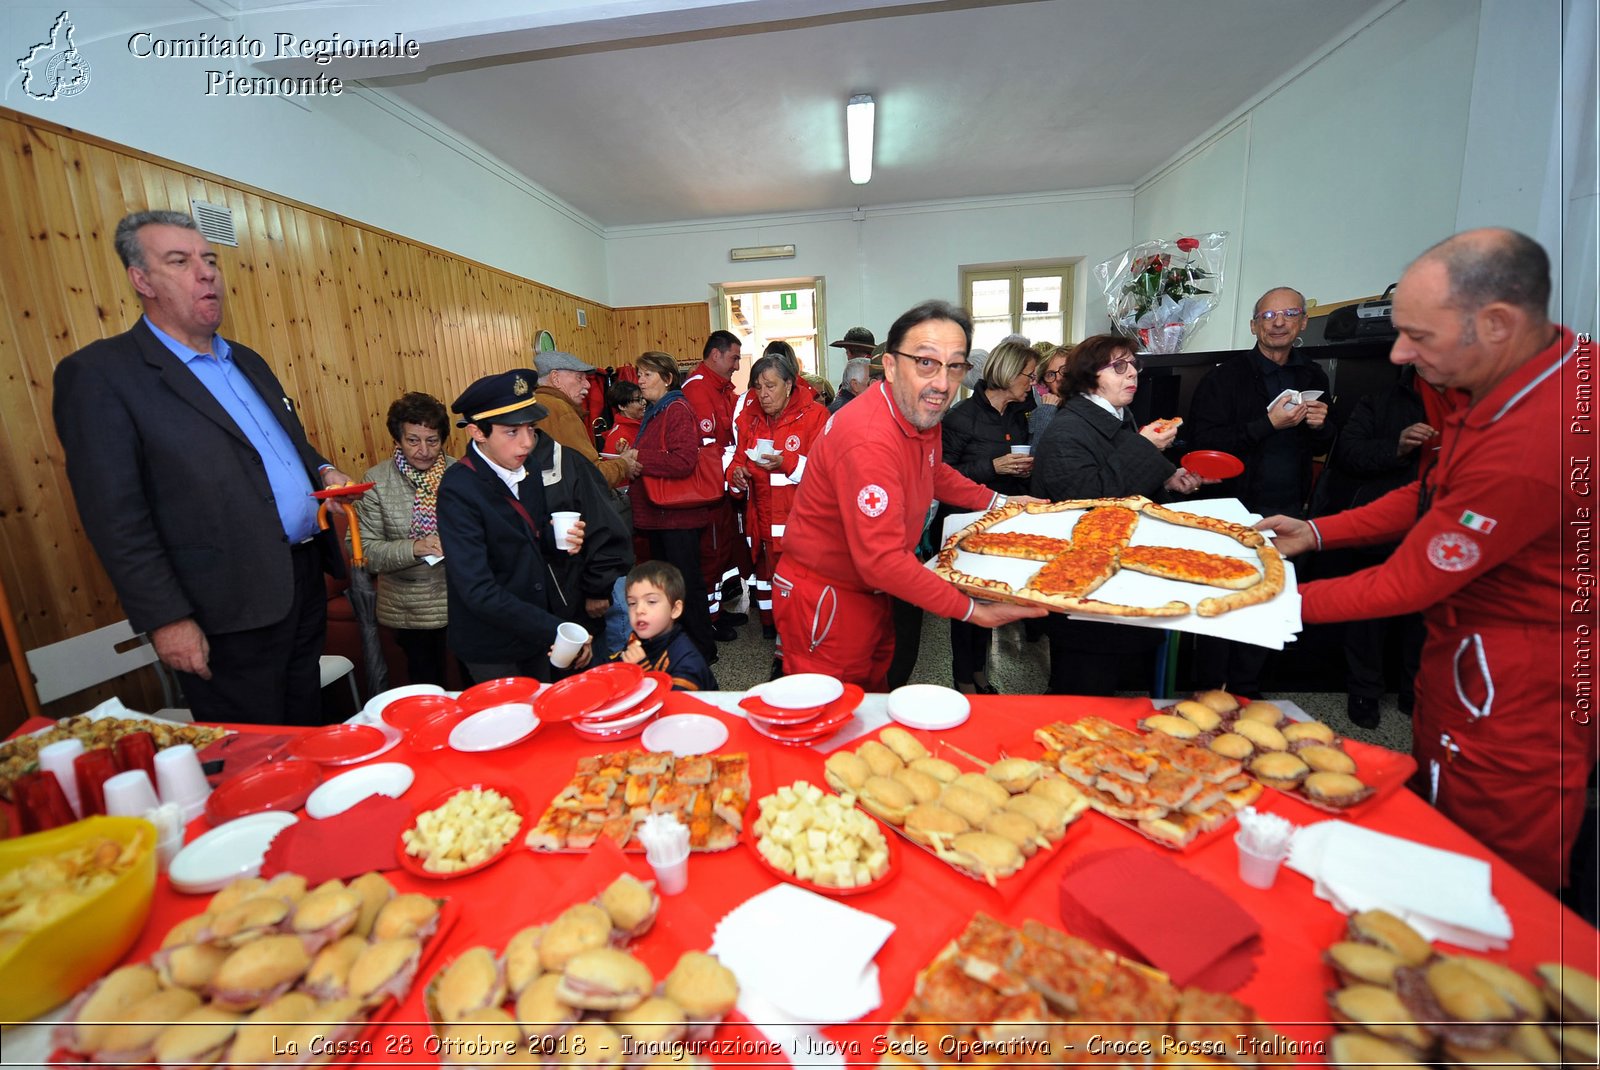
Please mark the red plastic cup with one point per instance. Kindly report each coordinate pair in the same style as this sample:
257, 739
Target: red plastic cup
94, 768
137, 750
41, 804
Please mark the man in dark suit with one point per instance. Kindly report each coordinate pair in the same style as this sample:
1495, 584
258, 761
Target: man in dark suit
193, 477
509, 584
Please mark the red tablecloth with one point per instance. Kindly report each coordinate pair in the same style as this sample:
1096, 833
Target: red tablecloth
928, 902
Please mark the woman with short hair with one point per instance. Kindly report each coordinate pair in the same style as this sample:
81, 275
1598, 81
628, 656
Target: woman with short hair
978, 437
782, 411
1093, 449
669, 448
399, 529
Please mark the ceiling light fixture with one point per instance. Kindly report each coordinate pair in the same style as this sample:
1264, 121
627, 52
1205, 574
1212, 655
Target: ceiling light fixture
858, 121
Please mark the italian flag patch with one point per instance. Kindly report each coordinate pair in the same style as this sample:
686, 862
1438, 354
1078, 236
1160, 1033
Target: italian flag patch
1477, 522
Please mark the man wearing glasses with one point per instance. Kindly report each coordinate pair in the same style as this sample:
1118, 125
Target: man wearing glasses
870, 479
1240, 408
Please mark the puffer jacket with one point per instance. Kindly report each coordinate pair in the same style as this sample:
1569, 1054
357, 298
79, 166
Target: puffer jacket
411, 593
792, 432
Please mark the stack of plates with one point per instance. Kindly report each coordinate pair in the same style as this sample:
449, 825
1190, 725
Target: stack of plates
610, 702
802, 709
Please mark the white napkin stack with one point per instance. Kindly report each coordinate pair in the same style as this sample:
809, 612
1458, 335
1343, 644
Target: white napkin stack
1442, 894
801, 958
1293, 397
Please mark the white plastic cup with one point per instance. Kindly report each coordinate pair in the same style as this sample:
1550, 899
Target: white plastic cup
57, 758
562, 523
1023, 450
180, 780
130, 794
672, 877
1255, 869
569, 640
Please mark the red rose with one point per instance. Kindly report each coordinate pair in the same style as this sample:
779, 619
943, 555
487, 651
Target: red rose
1188, 245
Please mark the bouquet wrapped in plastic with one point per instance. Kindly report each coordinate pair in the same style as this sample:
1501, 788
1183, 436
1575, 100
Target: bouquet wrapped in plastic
1159, 292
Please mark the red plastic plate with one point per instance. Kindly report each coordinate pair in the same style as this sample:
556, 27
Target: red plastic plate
1212, 464
498, 693
339, 744
413, 865
832, 716
272, 786
750, 838
405, 713
578, 695
431, 731
349, 491
777, 715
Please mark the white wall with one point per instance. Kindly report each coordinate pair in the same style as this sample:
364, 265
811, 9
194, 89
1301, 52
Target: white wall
359, 155
880, 264
1334, 181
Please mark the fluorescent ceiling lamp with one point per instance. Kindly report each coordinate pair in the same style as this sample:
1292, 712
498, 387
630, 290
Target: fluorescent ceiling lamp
858, 118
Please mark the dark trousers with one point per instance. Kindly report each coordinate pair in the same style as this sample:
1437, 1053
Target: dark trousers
481, 672
969, 650
269, 675
907, 641
1363, 653
426, 654
1223, 664
681, 547
1090, 658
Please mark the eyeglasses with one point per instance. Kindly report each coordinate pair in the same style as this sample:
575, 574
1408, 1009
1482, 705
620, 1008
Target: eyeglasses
1121, 365
1287, 313
1050, 377
928, 367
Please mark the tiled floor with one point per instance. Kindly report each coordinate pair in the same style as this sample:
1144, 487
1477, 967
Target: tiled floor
1018, 667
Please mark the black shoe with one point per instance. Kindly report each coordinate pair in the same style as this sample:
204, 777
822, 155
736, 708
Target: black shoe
777, 668
735, 619
1363, 711
724, 633
769, 631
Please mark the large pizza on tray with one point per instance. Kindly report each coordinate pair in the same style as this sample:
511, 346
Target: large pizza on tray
1075, 564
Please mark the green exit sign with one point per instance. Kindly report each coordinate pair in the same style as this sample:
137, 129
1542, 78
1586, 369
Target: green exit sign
788, 302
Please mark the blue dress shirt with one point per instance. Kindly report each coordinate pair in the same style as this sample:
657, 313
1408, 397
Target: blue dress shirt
291, 486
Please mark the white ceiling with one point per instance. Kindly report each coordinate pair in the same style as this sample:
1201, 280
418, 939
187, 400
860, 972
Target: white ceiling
663, 110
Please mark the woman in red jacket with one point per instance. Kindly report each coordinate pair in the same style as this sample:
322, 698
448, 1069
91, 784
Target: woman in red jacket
785, 412
669, 447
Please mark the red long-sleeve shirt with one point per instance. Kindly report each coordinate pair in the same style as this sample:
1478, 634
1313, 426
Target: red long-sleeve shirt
712, 397
870, 478
1488, 546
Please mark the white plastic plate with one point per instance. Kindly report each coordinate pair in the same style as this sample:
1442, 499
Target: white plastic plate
494, 728
227, 852
338, 794
685, 734
928, 706
647, 688
628, 720
802, 691
372, 712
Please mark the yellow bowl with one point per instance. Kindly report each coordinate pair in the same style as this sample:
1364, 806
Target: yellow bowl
49, 966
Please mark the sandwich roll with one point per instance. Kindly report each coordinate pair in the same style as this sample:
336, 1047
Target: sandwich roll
1307, 732
887, 798
906, 747
491, 1038
981, 784
1170, 725
1048, 815
966, 804
234, 893
386, 968
985, 855
1220, 701
257, 1039
1232, 745
408, 916
929, 821
1358, 963
1017, 828
329, 975
1062, 791
259, 972
520, 960
1279, 769
1264, 736
1202, 716
130, 1040
189, 965
1380, 1012
604, 979
581, 927
375, 891
1323, 758
942, 771
923, 787
1335, 789
199, 1038
704, 988
325, 915
654, 1022
471, 983
1391, 933
879, 758
107, 1000
1262, 712
542, 1011
1569, 992
187, 931
1016, 775
632, 905
846, 771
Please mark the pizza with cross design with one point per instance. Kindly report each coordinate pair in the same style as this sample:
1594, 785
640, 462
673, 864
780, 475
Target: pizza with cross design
1097, 547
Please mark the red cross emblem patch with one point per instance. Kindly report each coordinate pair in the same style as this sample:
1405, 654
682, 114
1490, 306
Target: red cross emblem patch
1453, 551
872, 500
706, 426
792, 443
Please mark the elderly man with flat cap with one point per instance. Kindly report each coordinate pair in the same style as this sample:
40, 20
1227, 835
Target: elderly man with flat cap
858, 345
563, 387
509, 585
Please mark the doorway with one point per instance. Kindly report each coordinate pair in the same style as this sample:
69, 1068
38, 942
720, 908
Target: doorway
784, 310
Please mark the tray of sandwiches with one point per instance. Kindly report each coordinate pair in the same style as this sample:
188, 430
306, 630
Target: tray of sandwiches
987, 823
571, 989
267, 970
1035, 995
1303, 759
609, 795
1167, 790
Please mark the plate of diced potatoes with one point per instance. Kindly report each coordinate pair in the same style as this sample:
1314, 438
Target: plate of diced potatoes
820, 841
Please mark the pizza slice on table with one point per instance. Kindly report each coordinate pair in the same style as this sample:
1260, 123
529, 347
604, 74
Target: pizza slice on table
1015, 544
1071, 575
1108, 528
1190, 566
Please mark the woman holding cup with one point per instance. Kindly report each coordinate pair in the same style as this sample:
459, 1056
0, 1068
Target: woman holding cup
986, 439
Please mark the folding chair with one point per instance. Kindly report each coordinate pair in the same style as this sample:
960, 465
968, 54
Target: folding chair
73, 665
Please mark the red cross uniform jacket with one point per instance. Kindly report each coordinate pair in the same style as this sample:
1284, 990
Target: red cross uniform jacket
792, 432
870, 479
712, 398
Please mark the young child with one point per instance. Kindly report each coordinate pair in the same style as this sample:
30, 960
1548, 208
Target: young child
655, 602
